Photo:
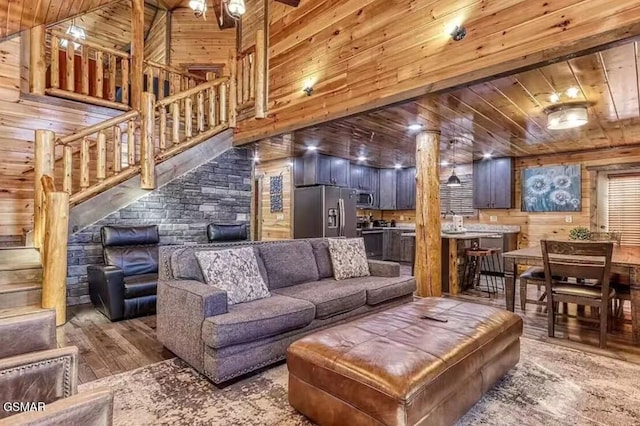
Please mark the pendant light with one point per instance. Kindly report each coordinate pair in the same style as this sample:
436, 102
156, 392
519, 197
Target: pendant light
453, 180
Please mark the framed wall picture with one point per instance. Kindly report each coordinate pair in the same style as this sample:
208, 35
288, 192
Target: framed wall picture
552, 189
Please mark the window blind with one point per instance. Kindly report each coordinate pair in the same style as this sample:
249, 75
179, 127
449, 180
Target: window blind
624, 207
459, 199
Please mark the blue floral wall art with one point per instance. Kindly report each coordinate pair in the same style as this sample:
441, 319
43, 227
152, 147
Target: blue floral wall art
552, 189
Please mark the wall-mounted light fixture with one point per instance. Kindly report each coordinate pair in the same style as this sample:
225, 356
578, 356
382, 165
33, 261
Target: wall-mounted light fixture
308, 87
235, 8
455, 30
199, 8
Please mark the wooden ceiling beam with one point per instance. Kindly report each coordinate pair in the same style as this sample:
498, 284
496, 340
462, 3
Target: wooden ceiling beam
292, 3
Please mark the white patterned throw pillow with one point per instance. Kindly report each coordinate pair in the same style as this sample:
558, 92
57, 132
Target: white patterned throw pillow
349, 258
234, 271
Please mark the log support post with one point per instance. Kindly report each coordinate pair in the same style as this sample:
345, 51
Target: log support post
54, 275
44, 161
37, 61
147, 141
260, 71
428, 252
137, 52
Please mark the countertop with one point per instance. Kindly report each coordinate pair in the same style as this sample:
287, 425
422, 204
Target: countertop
465, 236
471, 227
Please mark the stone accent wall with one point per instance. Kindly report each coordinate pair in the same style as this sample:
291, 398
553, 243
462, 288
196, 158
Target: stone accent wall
218, 191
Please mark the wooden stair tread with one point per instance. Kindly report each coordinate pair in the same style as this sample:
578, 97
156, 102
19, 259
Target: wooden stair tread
23, 310
20, 266
20, 286
19, 255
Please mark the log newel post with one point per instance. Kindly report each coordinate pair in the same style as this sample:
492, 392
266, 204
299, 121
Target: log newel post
44, 161
428, 255
260, 75
54, 276
137, 52
147, 142
37, 60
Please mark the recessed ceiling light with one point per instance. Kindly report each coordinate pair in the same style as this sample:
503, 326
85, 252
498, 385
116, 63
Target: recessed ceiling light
398, 166
554, 98
486, 155
414, 127
256, 159
572, 92
444, 163
362, 158
312, 148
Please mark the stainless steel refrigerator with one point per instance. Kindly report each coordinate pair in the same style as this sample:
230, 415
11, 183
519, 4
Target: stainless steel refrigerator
324, 211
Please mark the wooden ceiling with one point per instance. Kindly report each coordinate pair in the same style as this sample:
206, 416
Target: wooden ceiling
18, 15
503, 117
110, 25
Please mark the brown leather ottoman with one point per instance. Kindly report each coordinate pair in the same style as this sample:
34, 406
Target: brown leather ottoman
394, 368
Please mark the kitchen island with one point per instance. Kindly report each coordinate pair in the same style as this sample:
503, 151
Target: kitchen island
453, 248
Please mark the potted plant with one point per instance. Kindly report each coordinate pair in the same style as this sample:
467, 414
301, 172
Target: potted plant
579, 233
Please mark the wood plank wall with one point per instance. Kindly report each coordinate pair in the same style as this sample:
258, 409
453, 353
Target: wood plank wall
252, 21
276, 226
367, 53
537, 226
20, 119
156, 45
195, 41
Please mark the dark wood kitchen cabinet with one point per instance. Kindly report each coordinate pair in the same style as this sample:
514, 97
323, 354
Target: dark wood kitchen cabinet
364, 178
388, 182
406, 189
320, 169
493, 183
373, 243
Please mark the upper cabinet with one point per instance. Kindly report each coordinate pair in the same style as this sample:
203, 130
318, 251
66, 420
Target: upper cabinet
406, 189
319, 169
493, 183
388, 182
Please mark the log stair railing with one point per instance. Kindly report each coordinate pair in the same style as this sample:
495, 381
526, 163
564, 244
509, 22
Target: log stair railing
101, 156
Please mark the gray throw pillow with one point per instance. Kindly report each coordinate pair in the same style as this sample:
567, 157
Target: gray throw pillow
349, 258
234, 271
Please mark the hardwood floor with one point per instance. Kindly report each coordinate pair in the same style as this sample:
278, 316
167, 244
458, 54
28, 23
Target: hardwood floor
108, 348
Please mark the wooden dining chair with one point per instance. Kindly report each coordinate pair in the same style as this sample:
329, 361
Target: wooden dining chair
582, 261
619, 282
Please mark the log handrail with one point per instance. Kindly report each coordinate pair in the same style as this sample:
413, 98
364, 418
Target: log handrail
97, 127
174, 70
64, 36
192, 91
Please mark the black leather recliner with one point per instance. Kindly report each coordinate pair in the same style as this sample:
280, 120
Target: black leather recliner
125, 286
218, 233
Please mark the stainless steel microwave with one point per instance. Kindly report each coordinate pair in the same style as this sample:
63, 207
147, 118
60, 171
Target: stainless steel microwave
365, 200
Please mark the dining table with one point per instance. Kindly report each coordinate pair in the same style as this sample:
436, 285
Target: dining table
625, 261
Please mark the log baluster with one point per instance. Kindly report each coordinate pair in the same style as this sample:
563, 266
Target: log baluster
101, 147
148, 73
55, 62
188, 117
260, 72
99, 77
70, 66
147, 142
200, 111
211, 120
223, 103
124, 81
67, 168
117, 148
163, 128
85, 159
112, 77
175, 122
131, 143
84, 71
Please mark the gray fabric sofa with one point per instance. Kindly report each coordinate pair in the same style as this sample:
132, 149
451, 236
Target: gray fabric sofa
225, 341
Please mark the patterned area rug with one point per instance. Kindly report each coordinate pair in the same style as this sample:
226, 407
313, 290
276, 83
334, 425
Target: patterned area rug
551, 385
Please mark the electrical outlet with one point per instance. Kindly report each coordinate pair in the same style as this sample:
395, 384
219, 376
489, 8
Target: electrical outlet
568, 219
280, 217
493, 218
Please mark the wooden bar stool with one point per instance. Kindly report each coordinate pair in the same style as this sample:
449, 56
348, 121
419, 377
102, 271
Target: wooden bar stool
476, 260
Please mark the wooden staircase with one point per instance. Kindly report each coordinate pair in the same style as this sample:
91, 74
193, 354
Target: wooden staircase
20, 279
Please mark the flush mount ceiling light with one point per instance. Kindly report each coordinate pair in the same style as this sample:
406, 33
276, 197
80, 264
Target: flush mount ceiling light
308, 87
453, 180
312, 148
362, 158
572, 92
568, 116
398, 166
444, 163
486, 155
554, 97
